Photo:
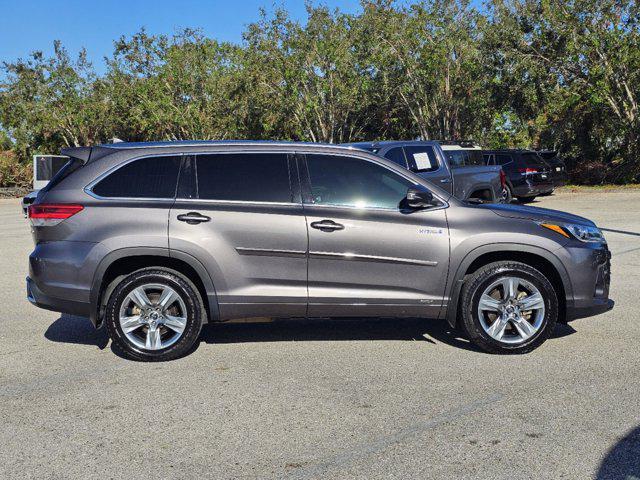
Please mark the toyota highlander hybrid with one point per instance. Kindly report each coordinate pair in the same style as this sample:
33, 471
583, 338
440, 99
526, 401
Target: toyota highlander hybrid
154, 240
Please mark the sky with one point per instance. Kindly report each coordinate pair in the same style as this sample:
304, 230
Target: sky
29, 25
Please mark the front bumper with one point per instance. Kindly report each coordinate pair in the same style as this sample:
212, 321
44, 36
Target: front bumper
591, 279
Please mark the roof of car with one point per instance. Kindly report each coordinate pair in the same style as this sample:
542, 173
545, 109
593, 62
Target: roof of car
93, 153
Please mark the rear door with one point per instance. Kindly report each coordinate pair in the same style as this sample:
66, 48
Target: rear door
367, 254
241, 216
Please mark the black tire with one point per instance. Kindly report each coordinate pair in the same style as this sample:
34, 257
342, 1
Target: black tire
526, 199
475, 285
188, 292
546, 194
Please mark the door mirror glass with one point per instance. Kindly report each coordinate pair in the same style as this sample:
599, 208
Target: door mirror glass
420, 198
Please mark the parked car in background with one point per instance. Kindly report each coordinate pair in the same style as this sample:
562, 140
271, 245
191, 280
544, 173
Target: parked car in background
559, 175
44, 169
153, 240
527, 175
457, 167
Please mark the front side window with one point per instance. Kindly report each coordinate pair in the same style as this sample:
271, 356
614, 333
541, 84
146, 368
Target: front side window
421, 158
353, 182
249, 177
151, 177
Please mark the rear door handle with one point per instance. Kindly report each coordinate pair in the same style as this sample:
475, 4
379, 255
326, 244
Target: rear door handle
445, 180
193, 218
327, 225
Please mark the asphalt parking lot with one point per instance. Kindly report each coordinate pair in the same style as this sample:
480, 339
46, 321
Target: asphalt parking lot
325, 399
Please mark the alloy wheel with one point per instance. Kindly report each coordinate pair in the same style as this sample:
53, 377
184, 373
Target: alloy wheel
153, 316
511, 310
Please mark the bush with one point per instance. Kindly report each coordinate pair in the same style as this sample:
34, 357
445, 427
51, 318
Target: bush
14, 173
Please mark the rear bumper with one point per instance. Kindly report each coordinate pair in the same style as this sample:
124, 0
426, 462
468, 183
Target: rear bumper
529, 188
38, 298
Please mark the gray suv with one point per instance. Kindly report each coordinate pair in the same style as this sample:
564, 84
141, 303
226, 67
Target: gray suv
153, 240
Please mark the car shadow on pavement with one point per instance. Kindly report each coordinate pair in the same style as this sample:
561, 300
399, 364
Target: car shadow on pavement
79, 330
72, 329
623, 459
413, 329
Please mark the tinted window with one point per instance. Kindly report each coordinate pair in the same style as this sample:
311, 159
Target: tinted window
533, 160
396, 156
354, 182
488, 159
503, 159
153, 177
464, 158
421, 158
250, 177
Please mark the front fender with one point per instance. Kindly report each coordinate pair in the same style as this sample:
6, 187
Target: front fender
455, 282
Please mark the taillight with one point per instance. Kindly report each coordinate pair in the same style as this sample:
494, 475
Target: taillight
503, 179
527, 170
49, 214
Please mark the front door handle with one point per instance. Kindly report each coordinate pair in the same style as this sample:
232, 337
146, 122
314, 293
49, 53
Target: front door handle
327, 225
445, 180
193, 218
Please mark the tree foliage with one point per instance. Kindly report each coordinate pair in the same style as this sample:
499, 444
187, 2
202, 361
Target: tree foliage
518, 73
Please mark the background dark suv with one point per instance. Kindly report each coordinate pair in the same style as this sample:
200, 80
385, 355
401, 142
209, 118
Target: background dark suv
155, 240
527, 174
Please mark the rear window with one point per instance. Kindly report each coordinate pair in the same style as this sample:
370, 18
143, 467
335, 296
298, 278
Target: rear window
464, 158
261, 177
151, 177
503, 159
533, 160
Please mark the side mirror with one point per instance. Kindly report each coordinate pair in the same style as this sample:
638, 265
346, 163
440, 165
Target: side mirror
420, 198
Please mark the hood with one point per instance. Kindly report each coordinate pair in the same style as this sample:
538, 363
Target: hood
535, 214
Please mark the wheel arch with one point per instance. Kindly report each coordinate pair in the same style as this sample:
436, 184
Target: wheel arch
537, 257
127, 260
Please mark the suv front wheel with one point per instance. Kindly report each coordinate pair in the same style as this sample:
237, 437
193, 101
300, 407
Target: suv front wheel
154, 314
508, 307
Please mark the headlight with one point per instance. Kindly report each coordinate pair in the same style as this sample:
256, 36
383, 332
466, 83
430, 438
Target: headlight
579, 232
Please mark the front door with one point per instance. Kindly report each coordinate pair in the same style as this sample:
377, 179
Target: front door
241, 216
368, 253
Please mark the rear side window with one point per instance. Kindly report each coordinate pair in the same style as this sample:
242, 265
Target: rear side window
421, 158
396, 156
503, 159
151, 177
249, 177
488, 159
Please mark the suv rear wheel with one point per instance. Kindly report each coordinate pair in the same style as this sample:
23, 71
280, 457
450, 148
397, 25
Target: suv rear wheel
508, 307
155, 314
